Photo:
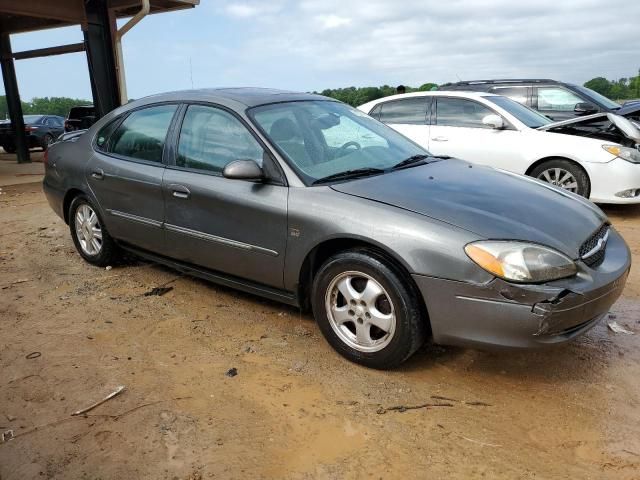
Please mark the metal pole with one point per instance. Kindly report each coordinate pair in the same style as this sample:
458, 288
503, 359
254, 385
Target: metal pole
13, 98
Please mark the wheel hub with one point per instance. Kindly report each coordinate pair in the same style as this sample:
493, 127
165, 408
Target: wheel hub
88, 230
360, 311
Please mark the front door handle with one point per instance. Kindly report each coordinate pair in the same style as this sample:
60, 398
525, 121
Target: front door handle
98, 174
180, 191
440, 139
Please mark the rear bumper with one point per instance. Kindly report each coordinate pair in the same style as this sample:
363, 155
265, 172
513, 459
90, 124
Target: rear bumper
33, 141
55, 196
502, 314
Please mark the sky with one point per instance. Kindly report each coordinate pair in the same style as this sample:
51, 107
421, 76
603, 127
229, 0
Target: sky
316, 44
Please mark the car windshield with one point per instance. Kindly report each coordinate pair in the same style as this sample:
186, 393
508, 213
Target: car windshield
32, 118
526, 115
607, 102
324, 138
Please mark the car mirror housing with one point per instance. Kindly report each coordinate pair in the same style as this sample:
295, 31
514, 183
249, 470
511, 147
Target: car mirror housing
585, 108
494, 121
243, 170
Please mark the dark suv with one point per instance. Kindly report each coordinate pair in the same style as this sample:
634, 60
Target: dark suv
80, 118
556, 100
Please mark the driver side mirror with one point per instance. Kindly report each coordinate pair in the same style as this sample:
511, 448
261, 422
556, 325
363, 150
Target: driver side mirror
243, 170
494, 121
585, 108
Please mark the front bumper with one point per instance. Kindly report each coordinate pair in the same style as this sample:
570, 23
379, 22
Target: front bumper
504, 314
613, 177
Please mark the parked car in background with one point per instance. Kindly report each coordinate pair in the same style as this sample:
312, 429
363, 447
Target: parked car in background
80, 118
41, 131
305, 200
557, 100
497, 131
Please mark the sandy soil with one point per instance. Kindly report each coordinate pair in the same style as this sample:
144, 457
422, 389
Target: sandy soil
295, 409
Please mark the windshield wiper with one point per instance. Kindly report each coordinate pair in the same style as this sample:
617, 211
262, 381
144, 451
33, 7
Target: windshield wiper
358, 172
416, 160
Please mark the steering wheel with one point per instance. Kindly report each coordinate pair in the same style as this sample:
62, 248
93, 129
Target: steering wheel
342, 150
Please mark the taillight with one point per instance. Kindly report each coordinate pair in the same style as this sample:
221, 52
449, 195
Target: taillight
45, 158
29, 128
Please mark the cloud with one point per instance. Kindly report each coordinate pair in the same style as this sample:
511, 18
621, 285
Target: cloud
369, 42
327, 22
316, 44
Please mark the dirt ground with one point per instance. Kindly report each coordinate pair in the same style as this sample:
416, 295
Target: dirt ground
295, 409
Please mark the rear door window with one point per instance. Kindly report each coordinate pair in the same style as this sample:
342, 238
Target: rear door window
459, 112
142, 134
409, 111
519, 94
557, 99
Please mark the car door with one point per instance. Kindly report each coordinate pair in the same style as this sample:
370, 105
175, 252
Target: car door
457, 130
556, 102
125, 175
408, 116
236, 227
54, 126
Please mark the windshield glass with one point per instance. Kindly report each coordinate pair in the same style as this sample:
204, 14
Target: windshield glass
322, 138
529, 117
31, 118
607, 102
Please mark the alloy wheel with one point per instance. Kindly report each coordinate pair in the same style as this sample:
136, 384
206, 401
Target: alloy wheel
360, 311
560, 178
88, 230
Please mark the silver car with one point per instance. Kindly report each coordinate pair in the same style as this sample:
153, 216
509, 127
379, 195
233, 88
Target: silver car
305, 200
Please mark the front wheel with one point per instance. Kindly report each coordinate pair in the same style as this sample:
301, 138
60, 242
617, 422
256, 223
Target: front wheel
367, 310
564, 174
89, 234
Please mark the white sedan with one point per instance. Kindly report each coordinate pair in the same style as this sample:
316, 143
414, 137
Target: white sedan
497, 131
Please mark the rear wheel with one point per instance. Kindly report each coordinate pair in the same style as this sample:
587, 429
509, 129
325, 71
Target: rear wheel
564, 174
367, 310
89, 234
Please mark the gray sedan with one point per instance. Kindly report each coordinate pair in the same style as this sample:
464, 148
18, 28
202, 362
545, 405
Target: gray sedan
307, 201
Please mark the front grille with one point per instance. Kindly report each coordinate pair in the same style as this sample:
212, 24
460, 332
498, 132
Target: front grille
596, 258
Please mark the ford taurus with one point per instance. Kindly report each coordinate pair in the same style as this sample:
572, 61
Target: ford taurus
305, 200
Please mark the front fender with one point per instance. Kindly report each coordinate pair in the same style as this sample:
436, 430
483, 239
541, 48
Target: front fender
422, 245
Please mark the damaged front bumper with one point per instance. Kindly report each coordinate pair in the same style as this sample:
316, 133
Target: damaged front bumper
504, 314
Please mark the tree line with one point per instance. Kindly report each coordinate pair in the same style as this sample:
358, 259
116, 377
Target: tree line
44, 106
621, 89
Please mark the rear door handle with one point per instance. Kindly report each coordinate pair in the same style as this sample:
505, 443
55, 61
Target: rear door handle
440, 139
98, 174
180, 191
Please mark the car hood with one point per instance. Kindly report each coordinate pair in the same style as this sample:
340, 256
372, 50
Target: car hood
490, 203
624, 125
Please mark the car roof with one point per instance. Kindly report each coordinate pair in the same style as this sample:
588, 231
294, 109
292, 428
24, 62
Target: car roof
247, 96
504, 81
431, 93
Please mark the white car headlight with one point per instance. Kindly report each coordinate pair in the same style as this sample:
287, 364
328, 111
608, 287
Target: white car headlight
629, 154
520, 262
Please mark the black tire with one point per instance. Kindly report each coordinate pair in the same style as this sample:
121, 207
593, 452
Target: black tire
581, 177
46, 141
109, 251
411, 325
9, 148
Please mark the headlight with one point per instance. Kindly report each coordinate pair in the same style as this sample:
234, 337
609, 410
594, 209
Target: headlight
629, 154
520, 262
